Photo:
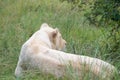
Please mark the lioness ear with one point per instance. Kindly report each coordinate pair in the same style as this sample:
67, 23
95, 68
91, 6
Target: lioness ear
44, 25
54, 33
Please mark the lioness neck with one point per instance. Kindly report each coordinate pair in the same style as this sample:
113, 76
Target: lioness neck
40, 37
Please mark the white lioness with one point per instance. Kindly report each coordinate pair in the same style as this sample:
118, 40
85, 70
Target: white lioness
43, 51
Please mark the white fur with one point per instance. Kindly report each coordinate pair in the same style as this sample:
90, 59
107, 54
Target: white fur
39, 52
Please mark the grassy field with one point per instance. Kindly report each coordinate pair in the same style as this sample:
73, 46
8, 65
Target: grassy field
19, 19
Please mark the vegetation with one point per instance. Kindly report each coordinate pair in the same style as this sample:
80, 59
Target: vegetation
19, 19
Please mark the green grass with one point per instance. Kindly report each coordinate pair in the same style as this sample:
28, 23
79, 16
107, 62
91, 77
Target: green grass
19, 19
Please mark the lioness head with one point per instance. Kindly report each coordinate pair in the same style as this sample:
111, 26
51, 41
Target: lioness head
55, 37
